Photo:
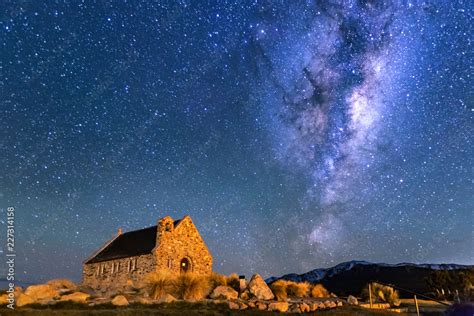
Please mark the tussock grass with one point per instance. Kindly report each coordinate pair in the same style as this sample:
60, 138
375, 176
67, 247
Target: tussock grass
190, 286
158, 283
294, 289
382, 293
279, 290
216, 279
233, 281
319, 290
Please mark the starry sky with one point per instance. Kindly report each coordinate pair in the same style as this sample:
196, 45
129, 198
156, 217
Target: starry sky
296, 134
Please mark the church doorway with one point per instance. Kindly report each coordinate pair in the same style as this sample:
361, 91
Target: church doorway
185, 265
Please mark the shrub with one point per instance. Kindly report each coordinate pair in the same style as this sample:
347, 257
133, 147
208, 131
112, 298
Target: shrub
294, 289
233, 281
319, 290
279, 289
190, 286
216, 279
382, 293
159, 283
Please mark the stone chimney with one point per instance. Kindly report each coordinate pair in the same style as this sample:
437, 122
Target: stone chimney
165, 226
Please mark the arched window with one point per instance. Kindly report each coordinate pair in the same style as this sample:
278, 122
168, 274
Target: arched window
185, 265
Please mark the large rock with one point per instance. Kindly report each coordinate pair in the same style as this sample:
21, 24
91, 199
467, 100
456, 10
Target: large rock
278, 307
120, 300
305, 308
144, 300
351, 300
261, 305
166, 298
259, 288
62, 284
41, 292
77, 297
224, 292
23, 299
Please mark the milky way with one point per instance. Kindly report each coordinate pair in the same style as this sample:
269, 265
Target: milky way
296, 134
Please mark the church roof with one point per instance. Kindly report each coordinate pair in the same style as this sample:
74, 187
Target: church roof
129, 244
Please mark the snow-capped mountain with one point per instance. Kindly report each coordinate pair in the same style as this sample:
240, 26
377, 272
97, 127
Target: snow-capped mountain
350, 277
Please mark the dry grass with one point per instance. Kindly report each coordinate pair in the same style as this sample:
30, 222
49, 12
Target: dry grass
159, 283
216, 279
319, 290
294, 289
283, 289
190, 286
233, 281
383, 293
279, 289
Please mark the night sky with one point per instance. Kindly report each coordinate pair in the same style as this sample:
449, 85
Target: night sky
296, 135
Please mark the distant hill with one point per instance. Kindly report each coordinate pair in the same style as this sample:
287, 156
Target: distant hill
353, 276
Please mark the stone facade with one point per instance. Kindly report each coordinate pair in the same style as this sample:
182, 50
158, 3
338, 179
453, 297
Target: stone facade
112, 274
178, 247
179, 243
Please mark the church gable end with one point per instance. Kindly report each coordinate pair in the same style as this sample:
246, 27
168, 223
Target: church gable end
181, 248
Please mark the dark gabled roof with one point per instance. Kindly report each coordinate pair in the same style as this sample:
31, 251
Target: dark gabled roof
129, 244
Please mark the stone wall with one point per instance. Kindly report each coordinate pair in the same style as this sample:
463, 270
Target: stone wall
113, 274
182, 241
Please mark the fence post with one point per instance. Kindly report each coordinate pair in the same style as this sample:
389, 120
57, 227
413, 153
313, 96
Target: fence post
416, 305
370, 295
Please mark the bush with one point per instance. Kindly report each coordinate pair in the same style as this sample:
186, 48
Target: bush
159, 283
319, 290
233, 281
382, 293
190, 286
294, 289
279, 289
447, 284
215, 280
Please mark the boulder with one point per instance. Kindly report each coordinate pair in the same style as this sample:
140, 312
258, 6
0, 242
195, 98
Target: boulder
243, 306
41, 292
329, 304
261, 305
144, 300
339, 303
62, 284
351, 300
295, 309
245, 295
314, 307
259, 288
305, 308
23, 299
167, 298
277, 306
77, 297
233, 305
251, 304
120, 300
224, 292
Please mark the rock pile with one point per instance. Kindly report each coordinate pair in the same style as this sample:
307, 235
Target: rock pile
257, 295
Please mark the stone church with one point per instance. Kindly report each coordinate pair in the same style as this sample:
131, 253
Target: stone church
175, 245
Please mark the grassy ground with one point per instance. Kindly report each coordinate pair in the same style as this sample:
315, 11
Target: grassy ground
183, 308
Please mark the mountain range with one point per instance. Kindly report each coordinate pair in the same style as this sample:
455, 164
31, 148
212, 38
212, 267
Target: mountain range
352, 277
